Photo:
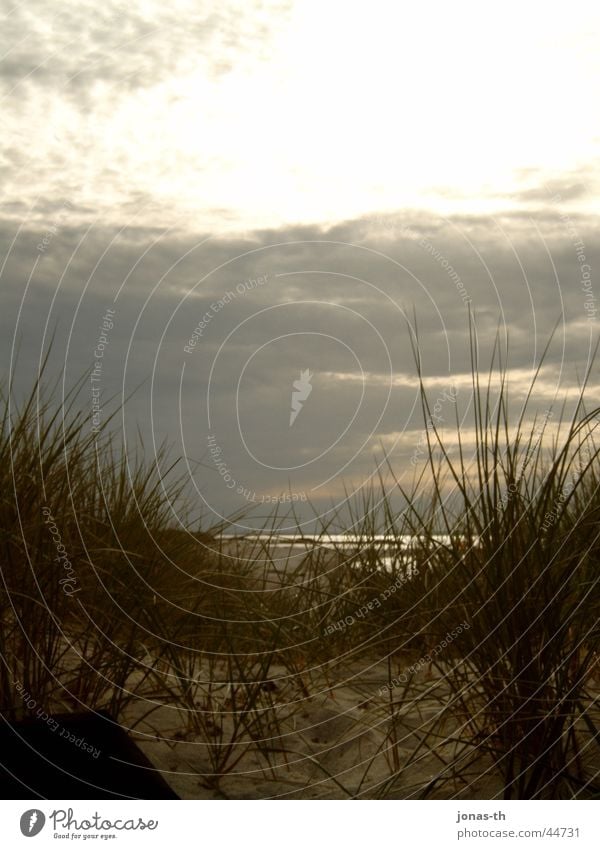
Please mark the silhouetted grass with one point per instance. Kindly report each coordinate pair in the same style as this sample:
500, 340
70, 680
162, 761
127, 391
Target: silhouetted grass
107, 602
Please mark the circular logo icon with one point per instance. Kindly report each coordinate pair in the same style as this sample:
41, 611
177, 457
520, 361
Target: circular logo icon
32, 822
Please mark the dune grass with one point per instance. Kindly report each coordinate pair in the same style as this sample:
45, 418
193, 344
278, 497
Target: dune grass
107, 601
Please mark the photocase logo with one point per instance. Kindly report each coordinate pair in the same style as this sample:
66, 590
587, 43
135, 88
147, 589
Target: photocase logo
32, 822
301, 390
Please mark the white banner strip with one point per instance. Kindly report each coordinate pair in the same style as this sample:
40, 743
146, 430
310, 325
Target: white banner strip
291, 825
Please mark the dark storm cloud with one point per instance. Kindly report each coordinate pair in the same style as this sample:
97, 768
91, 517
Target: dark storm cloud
361, 281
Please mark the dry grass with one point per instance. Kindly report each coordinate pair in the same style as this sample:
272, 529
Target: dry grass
106, 603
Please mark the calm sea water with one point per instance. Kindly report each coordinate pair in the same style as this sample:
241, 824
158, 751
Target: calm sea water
390, 550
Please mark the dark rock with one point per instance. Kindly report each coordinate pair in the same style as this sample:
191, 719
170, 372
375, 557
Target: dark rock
75, 756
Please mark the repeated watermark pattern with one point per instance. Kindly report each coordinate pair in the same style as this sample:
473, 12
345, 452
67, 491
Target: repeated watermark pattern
218, 305
403, 677
423, 242
368, 607
533, 444
69, 582
434, 419
53, 724
250, 495
589, 303
53, 229
96, 375
450, 271
552, 515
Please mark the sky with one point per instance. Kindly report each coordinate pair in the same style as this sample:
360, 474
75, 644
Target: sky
235, 216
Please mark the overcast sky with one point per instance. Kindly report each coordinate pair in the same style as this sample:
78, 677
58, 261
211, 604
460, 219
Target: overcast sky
268, 193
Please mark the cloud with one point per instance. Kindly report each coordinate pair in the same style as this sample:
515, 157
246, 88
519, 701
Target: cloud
241, 116
566, 191
338, 301
156, 158
78, 46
